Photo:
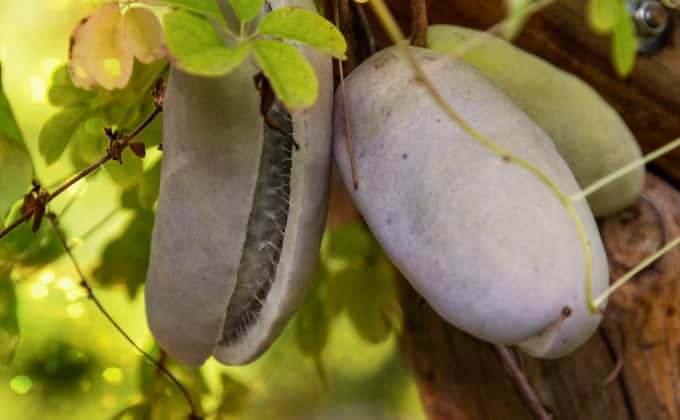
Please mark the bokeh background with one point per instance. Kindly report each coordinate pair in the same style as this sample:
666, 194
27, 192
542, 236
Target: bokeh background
341, 361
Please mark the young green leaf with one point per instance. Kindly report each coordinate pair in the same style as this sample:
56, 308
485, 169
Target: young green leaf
203, 7
291, 76
9, 325
15, 162
304, 26
58, 130
602, 14
517, 14
624, 43
247, 9
197, 47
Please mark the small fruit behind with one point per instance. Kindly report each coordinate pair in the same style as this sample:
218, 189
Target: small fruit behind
484, 241
589, 134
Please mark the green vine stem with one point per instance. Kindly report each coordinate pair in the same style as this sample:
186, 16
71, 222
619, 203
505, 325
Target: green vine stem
394, 32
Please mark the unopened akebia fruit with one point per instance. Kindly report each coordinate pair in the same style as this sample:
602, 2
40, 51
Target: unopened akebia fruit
483, 240
588, 133
241, 213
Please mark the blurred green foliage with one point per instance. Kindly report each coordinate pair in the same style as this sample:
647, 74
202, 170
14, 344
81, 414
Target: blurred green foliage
338, 358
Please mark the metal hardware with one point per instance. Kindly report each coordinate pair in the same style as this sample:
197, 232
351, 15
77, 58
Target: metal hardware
652, 22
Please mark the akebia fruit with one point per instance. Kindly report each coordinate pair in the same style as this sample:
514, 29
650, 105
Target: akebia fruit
589, 134
241, 213
483, 240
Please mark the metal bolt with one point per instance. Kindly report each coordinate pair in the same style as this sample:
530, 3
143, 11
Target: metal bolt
651, 17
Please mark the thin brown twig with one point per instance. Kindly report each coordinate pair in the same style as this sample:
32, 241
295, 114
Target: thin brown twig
87, 171
419, 23
521, 383
348, 131
90, 294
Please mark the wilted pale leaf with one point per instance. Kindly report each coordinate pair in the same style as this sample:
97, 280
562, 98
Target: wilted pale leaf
142, 34
97, 51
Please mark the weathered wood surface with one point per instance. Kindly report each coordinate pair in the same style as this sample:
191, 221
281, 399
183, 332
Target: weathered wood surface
462, 378
648, 100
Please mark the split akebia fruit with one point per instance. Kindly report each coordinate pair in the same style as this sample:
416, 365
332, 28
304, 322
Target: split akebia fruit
588, 133
241, 212
483, 240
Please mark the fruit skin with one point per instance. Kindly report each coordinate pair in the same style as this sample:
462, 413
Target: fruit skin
484, 241
589, 134
213, 136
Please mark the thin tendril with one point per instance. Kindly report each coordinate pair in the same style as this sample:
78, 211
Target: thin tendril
90, 294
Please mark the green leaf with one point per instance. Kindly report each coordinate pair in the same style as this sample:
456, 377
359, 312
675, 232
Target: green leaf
291, 76
311, 331
351, 241
603, 14
197, 47
63, 92
22, 248
125, 259
624, 43
149, 187
141, 411
89, 143
368, 294
203, 7
16, 165
57, 132
9, 325
247, 9
234, 397
8, 125
17, 169
144, 195
126, 174
306, 27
